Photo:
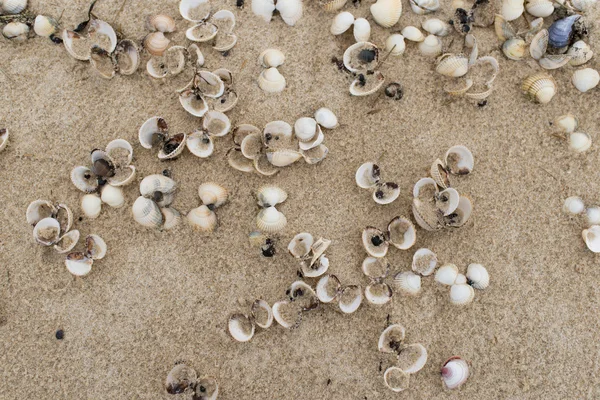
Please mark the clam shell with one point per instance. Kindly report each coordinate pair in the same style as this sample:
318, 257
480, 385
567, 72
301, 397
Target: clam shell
155, 130
585, 79
580, 53
391, 339
591, 237
368, 85
376, 268
195, 55
283, 158
225, 42
461, 294
271, 58
362, 30
270, 220
401, 233
421, 7
425, 188
102, 164
207, 388
461, 215
78, 46
395, 45
514, 49
395, 379
374, 242
452, 65
459, 160
175, 58
413, 34
408, 282
38, 210
216, 123
287, 314
78, 264
161, 23
361, 56
290, 10
367, 175
147, 213
439, 173
252, 145
326, 118
171, 217
426, 216
512, 9
316, 268
573, 205
424, 262
386, 193
341, 23
263, 166
386, 12
95, 247
262, 313
202, 219
447, 201
194, 10
579, 142
172, 147
300, 245
431, 46
13, 6
263, 8
305, 129
193, 103
303, 295
567, 123
120, 151
378, 293
539, 45
200, 144
47, 231
504, 30
328, 288
241, 327
412, 358
180, 379
447, 274
226, 102
271, 81
45, 26
455, 372
316, 141
554, 61
202, 32
91, 205
277, 135
269, 196
332, 5
436, 27
237, 161
64, 216
539, 8
84, 179
350, 298
67, 242
592, 215
478, 276
102, 35
212, 194
316, 154
113, 196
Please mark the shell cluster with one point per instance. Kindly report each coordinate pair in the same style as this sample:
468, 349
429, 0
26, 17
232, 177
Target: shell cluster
410, 358
591, 235
279, 145
183, 379
566, 127
216, 28
310, 254
269, 219
153, 208
368, 176
461, 286
270, 79
110, 170
209, 90
436, 205
400, 233
204, 218
243, 326
454, 372
289, 10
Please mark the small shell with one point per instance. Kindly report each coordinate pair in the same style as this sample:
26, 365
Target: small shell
368, 84
367, 175
461, 294
67, 242
412, 358
362, 30
283, 158
455, 372
447, 274
512, 9
241, 328
326, 118
202, 219
78, 46
47, 231
290, 10
540, 87
269, 196
374, 242
539, 8
514, 49
262, 313
270, 220
378, 293
203, 32
539, 44
421, 7
413, 34
316, 154
504, 30
376, 268
585, 79
78, 264
147, 213
439, 173
305, 129
287, 314
580, 53
401, 233
13, 6
459, 160
436, 27
175, 58
271, 81
180, 379
4, 135
16, 31
332, 5
386, 12
425, 188
579, 142
574, 205
152, 132
207, 388
161, 23
194, 10
263, 166
237, 161
271, 58
341, 23
478, 276
592, 215
45, 26
554, 61
350, 299
171, 217
225, 42
386, 192
424, 262
300, 245
316, 269
120, 151
583, 5
408, 282
172, 147
431, 46
216, 123
277, 135
100, 32
426, 215
395, 45
91, 205
157, 183
447, 201
212, 194
263, 8
395, 379
591, 237
328, 288
361, 56
452, 65
113, 196
193, 103
391, 339
84, 179
461, 215
38, 210
95, 247
316, 141
200, 144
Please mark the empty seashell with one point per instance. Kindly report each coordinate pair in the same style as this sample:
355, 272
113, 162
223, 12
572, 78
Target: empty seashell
585, 79
200, 144
67, 242
447, 274
461, 294
436, 27
270, 220
376, 268
241, 328
207, 388
390, 340
290, 10
374, 242
102, 35
315, 269
16, 31
263, 166
341, 23
425, 188
236, 160
193, 103
395, 379
401, 233
84, 179
361, 56
461, 215
262, 313
408, 282
202, 219
13, 6
386, 12
424, 262
350, 299
78, 46
579, 142
287, 314
194, 10
305, 129
539, 8
271, 58
478, 276
78, 264
300, 245
153, 131
592, 215
452, 65
38, 210
431, 46
113, 196
315, 155
455, 372
378, 293
127, 57
283, 158
64, 216
561, 31
514, 48
161, 23
412, 358
95, 247
386, 193
157, 183
395, 45
171, 217
212, 194
362, 30
512, 9
45, 26
271, 81
413, 34
367, 175
447, 201
554, 61
421, 7
326, 118
328, 288
203, 32
332, 5
439, 173
264, 9
314, 142
539, 44
367, 84
540, 87
591, 237
47, 231
180, 379
147, 213
269, 196
172, 147
91, 205
580, 53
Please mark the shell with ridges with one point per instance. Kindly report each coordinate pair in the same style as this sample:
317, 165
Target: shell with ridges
478, 276
91, 205
514, 48
194, 10
45, 26
539, 8
271, 58
421, 7
161, 23
361, 56
264, 9
447, 274
386, 12
212, 194
452, 65
431, 46
202, 219
271, 220
147, 213
512, 9
13, 6
67, 242
461, 294
269, 196
341, 23
408, 282
271, 81
290, 10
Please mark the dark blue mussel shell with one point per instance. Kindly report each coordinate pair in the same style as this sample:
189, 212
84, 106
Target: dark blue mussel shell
561, 31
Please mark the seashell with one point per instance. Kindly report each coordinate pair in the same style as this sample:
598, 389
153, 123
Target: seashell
38, 210
316, 269
376, 268
286, 313
478, 276
374, 242
226, 102
561, 31
427, 217
539, 8
264, 9
579, 142
172, 64
95, 247
225, 42
583, 5
378, 293
172, 147
395, 379
512, 9
447, 201
421, 7
447, 274
461, 294
67, 242
436, 27
540, 87
362, 30
408, 282
113, 196
146, 213
350, 298
207, 388
91, 205
395, 45
64, 216
16, 31
271, 58
585, 79
439, 173
326, 118
224, 19
4, 135
277, 135
78, 264
200, 144
328, 288
554, 61
263, 166
195, 55
391, 339
401, 233
504, 30
580, 53
455, 372
425, 188
45, 26
78, 46
361, 56
271, 81
303, 295
102, 35
514, 48
47, 231
332, 5
316, 140
269, 196
300, 245
241, 328
194, 10
431, 46
102, 164
591, 237
212, 194
154, 130
171, 217
120, 151
386, 12
412, 358
452, 65
315, 155
252, 146
341, 23
539, 44
262, 313
368, 84
180, 379
386, 193
462, 20
413, 34
290, 10
202, 32
283, 158
156, 43
216, 123
208, 84
270, 220
202, 219
236, 160
305, 129
193, 103
424, 262
161, 23
13, 6
574, 205
461, 215
84, 179
592, 215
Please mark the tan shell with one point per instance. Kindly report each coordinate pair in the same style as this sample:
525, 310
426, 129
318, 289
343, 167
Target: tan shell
156, 43
161, 23
540, 87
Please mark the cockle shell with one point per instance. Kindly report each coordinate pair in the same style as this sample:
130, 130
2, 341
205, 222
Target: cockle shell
156, 43
45, 26
585, 79
514, 48
554, 61
367, 84
452, 65
539, 44
332, 5
461, 294
424, 262
396, 379
408, 282
438, 170
592, 214
67, 242
326, 118
120, 151
283, 158
95, 247
431, 46
84, 179
361, 56
580, 53
461, 215
412, 358
401, 233
241, 328
328, 288
78, 264
425, 188
91, 205
270, 220
447, 201
127, 56
341, 23
194, 10
262, 313
413, 34
303, 295
591, 237
263, 9
78, 46
459, 160
200, 144
193, 103
539, 8
362, 30
203, 32
269, 196
376, 268
350, 299
286, 313
47, 231
212, 194
202, 219
540, 87
390, 340
386, 12
314, 142
271, 58
580, 141
171, 217
13, 6
395, 45
436, 27
386, 192
378, 293
172, 147
566, 123
300, 245
290, 10
271, 81
512, 9
100, 32
455, 372
561, 31
161, 23
478, 276
38, 210
305, 129
16, 31
374, 242
146, 213
180, 379
113, 196
447, 274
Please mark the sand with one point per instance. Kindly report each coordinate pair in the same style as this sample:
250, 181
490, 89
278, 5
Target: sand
161, 297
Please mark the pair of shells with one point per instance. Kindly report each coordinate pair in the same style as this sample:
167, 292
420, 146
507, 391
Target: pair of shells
434, 209
401, 233
458, 161
423, 264
309, 130
348, 297
574, 206
217, 29
410, 358
270, 79
289, 10
368, 176
204, 218
567, 125
12, 6
52, 225
311, 253
209, 90
302, 297
377, 269
454, 372
361, 59
386, 12
269, 219
538, 48
125, 60
99, 34
461, 286
344, 20
4, 135
183, 379
243, 326
152, 209
171, 61
80, 263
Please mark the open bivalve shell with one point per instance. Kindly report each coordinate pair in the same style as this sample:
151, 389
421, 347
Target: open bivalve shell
376, 268
181, 379
368, 175
390, 340
374, 242
459, 160
455, 372
408, 282
386, 192
287, 314
367, 84
361, 56
591, 237
241, 327
212, 194
378, 293
424, 262
47, 231
194, 10
328, 288
401, 233
78, 264
412, 358
350, 298
396, 379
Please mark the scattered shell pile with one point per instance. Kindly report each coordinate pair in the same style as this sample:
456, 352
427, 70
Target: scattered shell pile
368, 176
183, 379
410, 358
153, 208
289, 10
565, 126
454, 372
243, 326
591, 235
209, 90
461, 286
310, 254
111, 169
270, 79
204, 218
269, 219
216, 28
4, 135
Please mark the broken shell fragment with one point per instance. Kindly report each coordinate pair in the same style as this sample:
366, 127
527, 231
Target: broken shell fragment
408, 282
478, 276
455, 372
328, 288
412, 358
401, 233
447, 274
4, 135
270, 220
554, 61
395, 379
390, 340
241, 328
424, 262
212, 194
78, 264
283, 158
374, 242
591, 237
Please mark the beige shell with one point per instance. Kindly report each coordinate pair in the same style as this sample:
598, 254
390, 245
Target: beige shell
540, 87
13, 6
45, 26
271, 81
401, 233
369, 85
146, 213
271, 58
283, 158
271, 220
350, 299
539, 8
127, 56
241, 327
554, 61
270, 195
424, 262
412, 358
156, 43
161, 23
374, 241
78, 264
332, 5
585, 79
514, 48
452, 65
512, 9
396, 379
580, 53
171, 217
504, 30
413, 34
386, 12
431, 46
328, 288
202, 219
212, 194
378, 293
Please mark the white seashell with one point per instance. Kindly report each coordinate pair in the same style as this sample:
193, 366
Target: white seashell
374, 242
361, 56
512, 9
328, 288
212, 194
236, 160
174, 145
436, 27
447, 201
157, 183
386, 12
241, 328
202, 32
84, 179
264, 9
478, 276
45, 26
216, 123
592, 215
262, 313
283, 158
326, 118
369, 84
341, 23
287, 314
591, 237
376, 268
567, 123
225, 42
395, 379
193, 103
194, 10
362, 30
127, 56
401, 233
290, 10
350, 299
202, 219
116, 148
305, 129
95, 247
67, 242
431, 46
408, 282
270, 220
317, 268
424, 262
461, 215
271, 58
391, 339
455, 372
99, 32
579, 141
277, 135
378, 293
147, 213
154, 130
540, 87
461, 294
269, 196
421, 7
419, 190
38, 210
395, 45
181, 378
78, 46
47, 231
271, 81
585, 79
91, 205
196, 56
161, 23
78, 264
580, 53
539, 8
316, 141
452, 65
156, 43
583, 5
412, 358
514, 48
413, 34
300, 245
539, 44
13, 6
171, 217
16, 31
315, 155
459, 160
113, 196
447, 274
554, 61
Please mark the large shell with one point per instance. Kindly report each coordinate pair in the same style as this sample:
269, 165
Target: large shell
431, 46
461, 294
390, 340
478, 276
401, 233
350, 299
412, 358
194, 10
332, 5
455, 372
425, 188
408, 282
424, 262
47, 231
361, 56
269, 196
328, 288
447, 274
147, 213
271, 81
270, 220
264, 9
180, 379
290, 10
374, 242
367, 175
591, 237
540, 87
386, 12
202, 219
396, 379
585, 79
212, 194
452, 65
561, 31
378, 293
341, 23
241, 327
78, 264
